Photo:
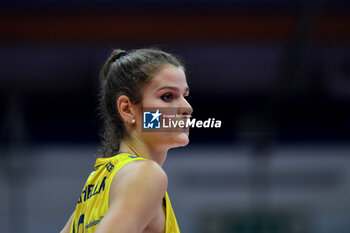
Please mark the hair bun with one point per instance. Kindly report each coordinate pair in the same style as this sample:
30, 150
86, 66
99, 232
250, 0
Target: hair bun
115, 55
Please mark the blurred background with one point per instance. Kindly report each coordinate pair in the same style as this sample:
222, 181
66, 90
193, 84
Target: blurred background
275, 72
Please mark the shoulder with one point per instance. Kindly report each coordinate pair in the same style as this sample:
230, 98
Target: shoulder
135, 196
140, 175
143, 168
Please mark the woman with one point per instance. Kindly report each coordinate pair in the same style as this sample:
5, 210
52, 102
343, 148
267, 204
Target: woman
127, 190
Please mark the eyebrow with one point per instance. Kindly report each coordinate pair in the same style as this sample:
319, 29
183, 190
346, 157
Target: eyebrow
173, 88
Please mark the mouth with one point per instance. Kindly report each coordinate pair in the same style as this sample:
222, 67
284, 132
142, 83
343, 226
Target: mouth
185, 124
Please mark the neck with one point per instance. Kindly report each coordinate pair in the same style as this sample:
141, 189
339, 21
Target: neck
138, 147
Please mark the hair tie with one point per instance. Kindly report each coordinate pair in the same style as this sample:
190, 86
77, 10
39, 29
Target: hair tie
119, 55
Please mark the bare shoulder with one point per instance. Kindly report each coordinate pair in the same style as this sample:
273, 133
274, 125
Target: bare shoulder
140, 169
135, 196
140, 175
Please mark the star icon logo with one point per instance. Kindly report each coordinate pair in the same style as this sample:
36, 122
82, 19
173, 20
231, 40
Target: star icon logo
156, 115
151, 119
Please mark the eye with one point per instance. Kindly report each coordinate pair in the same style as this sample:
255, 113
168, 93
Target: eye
167, 97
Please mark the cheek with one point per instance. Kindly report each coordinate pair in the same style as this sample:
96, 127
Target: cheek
148, 100
149, 103
153, 101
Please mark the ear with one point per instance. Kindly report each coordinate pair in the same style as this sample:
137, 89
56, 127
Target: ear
125, 108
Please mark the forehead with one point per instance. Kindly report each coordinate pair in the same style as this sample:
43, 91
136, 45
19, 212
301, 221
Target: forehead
170, 76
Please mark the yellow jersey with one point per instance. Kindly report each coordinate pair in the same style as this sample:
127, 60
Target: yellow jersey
93, 201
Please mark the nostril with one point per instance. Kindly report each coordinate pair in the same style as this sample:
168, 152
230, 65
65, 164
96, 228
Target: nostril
186, 111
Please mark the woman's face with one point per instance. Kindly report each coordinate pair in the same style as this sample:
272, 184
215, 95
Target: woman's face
167, 89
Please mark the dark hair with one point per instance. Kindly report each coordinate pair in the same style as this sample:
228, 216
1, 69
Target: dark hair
126, 73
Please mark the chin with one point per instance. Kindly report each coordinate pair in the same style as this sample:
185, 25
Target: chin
173, 139
181, 139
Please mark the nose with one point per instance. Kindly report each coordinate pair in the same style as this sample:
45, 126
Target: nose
185, 109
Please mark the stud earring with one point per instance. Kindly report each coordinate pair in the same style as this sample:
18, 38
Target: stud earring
133, 121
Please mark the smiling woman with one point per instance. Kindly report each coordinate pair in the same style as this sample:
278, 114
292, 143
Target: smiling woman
127, 190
